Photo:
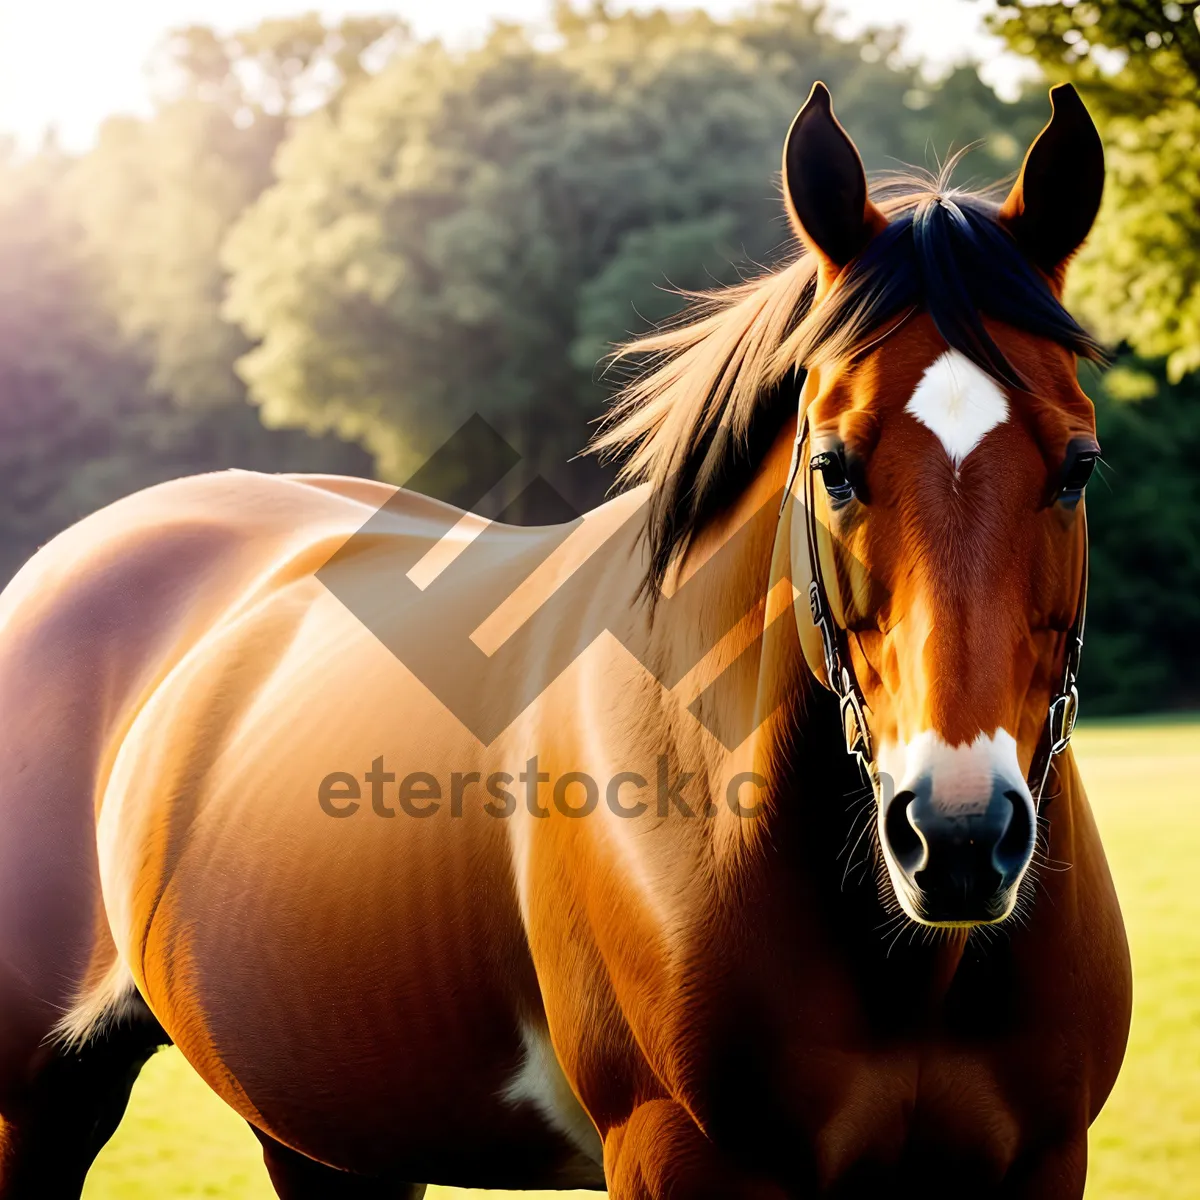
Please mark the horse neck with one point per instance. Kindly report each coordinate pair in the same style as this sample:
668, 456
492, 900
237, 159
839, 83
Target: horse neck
725, 643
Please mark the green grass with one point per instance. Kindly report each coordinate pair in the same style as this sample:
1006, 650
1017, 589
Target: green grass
1142, 781
179, 1141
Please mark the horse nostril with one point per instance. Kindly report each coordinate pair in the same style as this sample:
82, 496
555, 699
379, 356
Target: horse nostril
1016, 843
905, 844
962, 853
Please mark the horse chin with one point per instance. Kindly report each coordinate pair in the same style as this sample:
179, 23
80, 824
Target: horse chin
924, 910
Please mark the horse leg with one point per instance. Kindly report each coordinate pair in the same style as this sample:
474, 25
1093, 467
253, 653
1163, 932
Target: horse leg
660, 1152
69, 1103
297, 1177
1054, 1172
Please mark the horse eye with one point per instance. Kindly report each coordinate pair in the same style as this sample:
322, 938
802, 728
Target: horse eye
1076, 475
833, 471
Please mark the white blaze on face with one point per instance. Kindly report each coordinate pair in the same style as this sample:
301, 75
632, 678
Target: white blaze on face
959, 403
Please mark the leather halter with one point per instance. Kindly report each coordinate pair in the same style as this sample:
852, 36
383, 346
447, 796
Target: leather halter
840, 679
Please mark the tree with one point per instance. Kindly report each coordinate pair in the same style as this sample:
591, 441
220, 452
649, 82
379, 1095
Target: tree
1144, 519
1135, 56
412, 234
80, 423
66, 384
156, 197
1138, 64
472, 231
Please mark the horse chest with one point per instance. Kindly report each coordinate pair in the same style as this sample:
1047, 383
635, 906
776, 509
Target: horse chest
834, 1119
841, 1092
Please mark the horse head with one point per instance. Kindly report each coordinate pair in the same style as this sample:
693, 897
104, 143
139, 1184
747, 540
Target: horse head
941, 463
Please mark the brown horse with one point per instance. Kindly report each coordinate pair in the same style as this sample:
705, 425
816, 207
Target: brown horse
534, 858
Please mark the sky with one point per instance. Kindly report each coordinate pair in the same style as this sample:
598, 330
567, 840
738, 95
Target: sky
71, 63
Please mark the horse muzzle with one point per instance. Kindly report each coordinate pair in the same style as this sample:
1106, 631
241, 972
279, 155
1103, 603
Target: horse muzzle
957, 856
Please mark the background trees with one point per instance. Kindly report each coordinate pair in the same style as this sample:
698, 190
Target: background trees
474, 232
1138, 64
1137, 282
361, 240
1142, 653
155, 199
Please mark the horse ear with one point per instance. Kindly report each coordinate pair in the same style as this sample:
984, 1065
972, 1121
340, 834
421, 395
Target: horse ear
824, 184
1056, 197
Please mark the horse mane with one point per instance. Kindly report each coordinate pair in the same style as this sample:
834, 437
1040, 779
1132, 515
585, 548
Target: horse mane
711, 389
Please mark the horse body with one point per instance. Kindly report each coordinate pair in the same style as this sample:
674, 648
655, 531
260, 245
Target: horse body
456, 854
329, 976
192, 791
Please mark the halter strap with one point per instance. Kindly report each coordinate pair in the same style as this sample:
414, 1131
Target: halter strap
840, 679
1064, 706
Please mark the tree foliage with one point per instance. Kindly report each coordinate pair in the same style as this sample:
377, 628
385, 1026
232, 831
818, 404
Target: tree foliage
473, 231
1138, 63
156, 197
80, 421
1144, 514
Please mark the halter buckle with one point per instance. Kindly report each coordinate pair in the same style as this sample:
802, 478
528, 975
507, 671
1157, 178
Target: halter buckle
820, 616
854, 723
1063, 711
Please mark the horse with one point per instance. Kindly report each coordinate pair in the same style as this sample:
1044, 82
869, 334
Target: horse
726, 842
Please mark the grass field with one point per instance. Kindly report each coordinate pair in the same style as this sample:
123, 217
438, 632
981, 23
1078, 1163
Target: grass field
179, 1140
